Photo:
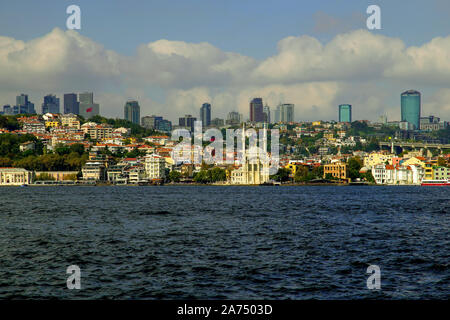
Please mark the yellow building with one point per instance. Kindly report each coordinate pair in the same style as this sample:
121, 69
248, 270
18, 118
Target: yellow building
377, 158
15, 176
293, 167
52, 124
428, 171
417, 161
70, 120
336, 169
316, 123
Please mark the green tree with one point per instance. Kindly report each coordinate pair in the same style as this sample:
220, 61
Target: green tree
354, 165
218, 174
174, 176
282, 175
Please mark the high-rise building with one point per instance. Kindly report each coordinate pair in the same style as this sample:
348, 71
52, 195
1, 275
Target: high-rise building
266, 111
187, 121
285, 113
50, 104
88, 108
164, 125
234, 118
23, 105
7, 110
345, 113
205, 114
71, 105
256, 110
132, 111
150, 122
410, 107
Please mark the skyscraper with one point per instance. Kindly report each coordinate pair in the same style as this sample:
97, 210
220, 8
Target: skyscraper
345, 113
88, 108
266, 111
151, 122
23, 105
285, 112
187, 121
410, 107
205, 114
132, 111
50, 104
234, 118
256, 110
71, 105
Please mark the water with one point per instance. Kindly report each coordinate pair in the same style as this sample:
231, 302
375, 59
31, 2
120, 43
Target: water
224, 242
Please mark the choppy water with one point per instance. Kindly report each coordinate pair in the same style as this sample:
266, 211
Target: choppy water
224, 242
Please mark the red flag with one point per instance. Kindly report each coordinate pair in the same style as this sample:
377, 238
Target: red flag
89, 110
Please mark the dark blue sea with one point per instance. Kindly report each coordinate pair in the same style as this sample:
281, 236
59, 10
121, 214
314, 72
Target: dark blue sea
176, 242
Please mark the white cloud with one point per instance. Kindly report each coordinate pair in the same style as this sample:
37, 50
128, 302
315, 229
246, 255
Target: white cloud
359, 67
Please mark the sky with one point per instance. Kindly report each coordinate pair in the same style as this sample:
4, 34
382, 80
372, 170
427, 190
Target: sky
172, 56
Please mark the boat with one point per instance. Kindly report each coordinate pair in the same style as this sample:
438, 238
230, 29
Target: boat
435, 183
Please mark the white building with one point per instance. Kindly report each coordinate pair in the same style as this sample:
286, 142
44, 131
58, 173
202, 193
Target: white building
155, 167
15, 176
399, 175
253, 169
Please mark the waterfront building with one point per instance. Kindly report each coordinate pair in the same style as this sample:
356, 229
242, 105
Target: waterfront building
71, 104
155, 167
205, 114
398, 175
441, 173
136, 174
50, 104
132, 111
58, 175
428, 171
256, 110
336, 169
410, 107
253, 169
345, 113
116, 174
94, 171
88, 108
15, 176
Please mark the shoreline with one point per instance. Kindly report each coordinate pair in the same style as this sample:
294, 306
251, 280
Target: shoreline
212, 185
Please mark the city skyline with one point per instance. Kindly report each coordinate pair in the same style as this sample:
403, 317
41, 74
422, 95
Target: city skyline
173, 74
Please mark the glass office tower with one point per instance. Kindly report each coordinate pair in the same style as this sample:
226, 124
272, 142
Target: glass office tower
345, 113
205, 114
132, 111
410, 107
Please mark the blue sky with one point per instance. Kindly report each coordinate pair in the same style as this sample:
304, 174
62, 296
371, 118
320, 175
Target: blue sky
250, 27
228, 51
